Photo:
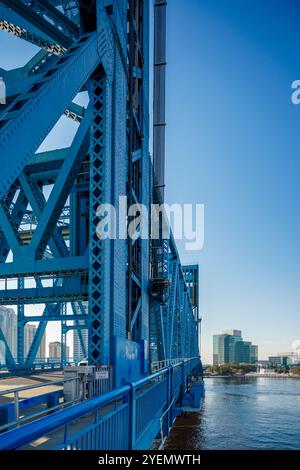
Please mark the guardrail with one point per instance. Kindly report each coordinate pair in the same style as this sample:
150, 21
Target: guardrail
39, 365
127, 418
32, 402
159, 365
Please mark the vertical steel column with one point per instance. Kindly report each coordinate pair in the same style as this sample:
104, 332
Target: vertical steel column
159, 109
135, 171
97, 185
160, 247
20, 328
131, 41
63, 350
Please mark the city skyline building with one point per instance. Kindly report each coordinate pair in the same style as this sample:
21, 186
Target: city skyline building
253, 353
232, 332
221, 349
78, 353
8, 325
229, 347
55, 350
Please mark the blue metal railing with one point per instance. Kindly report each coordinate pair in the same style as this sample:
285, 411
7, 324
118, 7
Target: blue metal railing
127, 418
40, 364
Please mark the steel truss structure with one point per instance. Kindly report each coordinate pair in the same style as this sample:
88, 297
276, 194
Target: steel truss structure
133, 296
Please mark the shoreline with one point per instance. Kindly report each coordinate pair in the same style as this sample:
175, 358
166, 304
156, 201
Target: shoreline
234, 376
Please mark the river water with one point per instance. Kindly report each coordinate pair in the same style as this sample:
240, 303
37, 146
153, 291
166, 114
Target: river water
242, 413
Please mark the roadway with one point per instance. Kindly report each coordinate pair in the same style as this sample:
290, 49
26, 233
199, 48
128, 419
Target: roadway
12, 382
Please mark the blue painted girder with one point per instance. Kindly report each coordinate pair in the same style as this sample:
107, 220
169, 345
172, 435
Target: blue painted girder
9, 360
6, 14
26, 17
71, 289
16, 216
44, 266
41, 107
62, 187
49, 310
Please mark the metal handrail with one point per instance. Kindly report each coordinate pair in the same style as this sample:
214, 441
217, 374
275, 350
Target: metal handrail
15, 391
30, 387
29, 432
159, 365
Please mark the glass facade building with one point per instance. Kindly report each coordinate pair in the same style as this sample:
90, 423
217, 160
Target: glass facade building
229, 347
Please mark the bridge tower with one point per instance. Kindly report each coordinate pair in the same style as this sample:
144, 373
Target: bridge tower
51, 208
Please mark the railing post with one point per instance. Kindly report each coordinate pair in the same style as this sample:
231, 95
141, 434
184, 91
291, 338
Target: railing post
132, 417
171, 396
165, 423
17, 406
65, 436
182, 386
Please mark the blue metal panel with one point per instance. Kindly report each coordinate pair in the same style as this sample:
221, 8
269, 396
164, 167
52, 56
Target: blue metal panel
127, 361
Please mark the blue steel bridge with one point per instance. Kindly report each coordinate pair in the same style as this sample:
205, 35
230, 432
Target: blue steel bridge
139, 305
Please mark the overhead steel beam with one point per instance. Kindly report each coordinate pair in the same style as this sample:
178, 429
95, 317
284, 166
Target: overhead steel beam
16, 215
37, 318
30, 15
38, 41
55, 267
38, 203
68, 292
75, 327
55, 14
8, 230
50, 156
60, 85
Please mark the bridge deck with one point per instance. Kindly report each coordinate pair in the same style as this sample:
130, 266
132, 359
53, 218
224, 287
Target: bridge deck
12, 382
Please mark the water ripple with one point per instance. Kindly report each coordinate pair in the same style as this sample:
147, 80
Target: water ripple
254, 413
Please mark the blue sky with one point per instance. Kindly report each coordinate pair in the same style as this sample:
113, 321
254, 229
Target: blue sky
233, 144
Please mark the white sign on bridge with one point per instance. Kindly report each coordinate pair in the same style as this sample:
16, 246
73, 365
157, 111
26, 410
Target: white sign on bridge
102, 375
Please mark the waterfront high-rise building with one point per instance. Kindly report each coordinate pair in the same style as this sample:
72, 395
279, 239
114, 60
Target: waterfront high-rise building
279, 361
242, 352
55, 350
253, 353
233, 332
229, 347
234, 349
8, 325
78, 353
41, 354
221, 349
29, 334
